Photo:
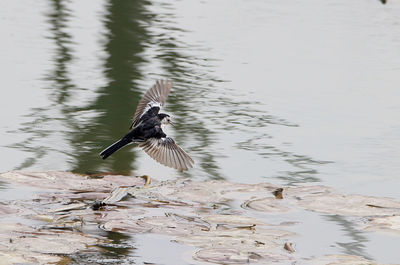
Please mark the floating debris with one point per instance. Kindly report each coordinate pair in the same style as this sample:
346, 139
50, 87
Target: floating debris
147, 179
206, 215
278, 193
289, 247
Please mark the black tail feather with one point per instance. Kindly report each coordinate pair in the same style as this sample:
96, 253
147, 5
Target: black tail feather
114, 147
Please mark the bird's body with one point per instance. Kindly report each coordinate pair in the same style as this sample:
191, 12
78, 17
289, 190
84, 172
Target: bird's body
146, 130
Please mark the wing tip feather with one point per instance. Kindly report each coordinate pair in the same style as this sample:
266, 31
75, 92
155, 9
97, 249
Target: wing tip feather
168, 153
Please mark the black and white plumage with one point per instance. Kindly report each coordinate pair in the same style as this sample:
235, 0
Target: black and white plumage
146, 130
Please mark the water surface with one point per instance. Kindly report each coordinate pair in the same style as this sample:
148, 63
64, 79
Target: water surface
283, 92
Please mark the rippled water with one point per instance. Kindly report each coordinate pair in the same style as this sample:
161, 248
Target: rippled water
284, 92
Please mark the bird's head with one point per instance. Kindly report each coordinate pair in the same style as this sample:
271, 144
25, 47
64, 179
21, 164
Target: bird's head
166, 119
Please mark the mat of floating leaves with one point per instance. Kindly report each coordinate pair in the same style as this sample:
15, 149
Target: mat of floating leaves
215, 217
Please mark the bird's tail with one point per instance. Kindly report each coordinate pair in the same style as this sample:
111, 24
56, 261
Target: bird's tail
114, 148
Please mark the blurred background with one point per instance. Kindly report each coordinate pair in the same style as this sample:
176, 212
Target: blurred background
287, 92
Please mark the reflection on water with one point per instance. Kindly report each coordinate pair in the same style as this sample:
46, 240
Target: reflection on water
191, 83
117, 251
358, 239
225, 115
113, 104
202, 114
119, 247
125, 41
226, 127
53, 119
252, 119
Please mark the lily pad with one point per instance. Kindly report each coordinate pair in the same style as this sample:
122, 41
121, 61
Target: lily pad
69, 181
385, 224
259, 240
234, 256
350, 205
8, 258
25, 241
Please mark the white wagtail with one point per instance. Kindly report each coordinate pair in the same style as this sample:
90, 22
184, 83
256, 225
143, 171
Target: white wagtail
146, 130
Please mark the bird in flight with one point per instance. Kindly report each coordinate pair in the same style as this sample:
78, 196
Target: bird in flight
147, 130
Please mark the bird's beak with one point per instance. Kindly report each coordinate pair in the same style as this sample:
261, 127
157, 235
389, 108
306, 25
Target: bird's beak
172, 124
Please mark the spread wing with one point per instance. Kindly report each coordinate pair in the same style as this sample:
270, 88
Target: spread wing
155, 96
168, 153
